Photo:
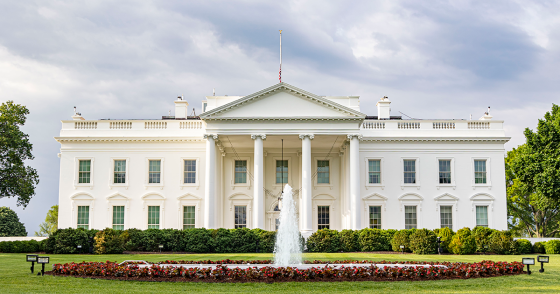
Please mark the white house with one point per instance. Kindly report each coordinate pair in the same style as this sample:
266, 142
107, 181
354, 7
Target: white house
226, 167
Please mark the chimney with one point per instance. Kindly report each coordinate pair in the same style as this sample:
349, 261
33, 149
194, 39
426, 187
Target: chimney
181, 108
77, 115
384, 108
486, 115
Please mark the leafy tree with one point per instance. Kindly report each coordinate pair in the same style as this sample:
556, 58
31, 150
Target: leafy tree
16, 179
49, 226
10, 226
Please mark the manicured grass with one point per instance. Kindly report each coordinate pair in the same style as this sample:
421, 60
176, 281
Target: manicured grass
15, 277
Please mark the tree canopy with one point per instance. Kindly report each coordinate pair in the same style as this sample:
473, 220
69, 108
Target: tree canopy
49, 226
16, 179
10, 226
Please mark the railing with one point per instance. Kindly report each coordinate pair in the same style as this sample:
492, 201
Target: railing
81, 125
443, 125
409, 125
190, 125
479, 125
120, 125
155, 125
371, 125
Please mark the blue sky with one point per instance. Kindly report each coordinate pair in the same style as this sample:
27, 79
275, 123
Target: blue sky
130, 59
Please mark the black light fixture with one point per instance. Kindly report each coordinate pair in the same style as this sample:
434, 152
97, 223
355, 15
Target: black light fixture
79, 248
542, 259
402, 249
160, 247
485, 248
528, 261
31, 258
42, 260
439, 245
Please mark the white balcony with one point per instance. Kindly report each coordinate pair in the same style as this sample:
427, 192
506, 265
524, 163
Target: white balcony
132, 128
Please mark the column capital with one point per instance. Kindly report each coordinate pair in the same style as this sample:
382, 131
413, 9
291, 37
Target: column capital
302, 136
351, 136
213, 136
262, 136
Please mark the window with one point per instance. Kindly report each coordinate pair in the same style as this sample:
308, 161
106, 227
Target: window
445, 171
240, 216
120, 172
83, 217
446, 215
84, 172
188, 217
375, 217
482, 216
153, 217
323, 219
374, 168
154, 176
410, 217
323, 176
281, 171
480, 171
240, 172
409, 171
190, 172
118, 217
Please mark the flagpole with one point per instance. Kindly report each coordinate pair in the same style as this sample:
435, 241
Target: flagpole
280, 73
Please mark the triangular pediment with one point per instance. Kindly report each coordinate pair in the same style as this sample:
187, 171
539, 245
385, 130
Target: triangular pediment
282, 101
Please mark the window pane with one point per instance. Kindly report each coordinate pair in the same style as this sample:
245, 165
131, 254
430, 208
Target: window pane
240, 216
409, 171
480, 171
190, 172
154, 171
120, 172
118, 217
241, 171
446, 215
281, 171
445, 171
323, 217
410, 217
153, 217
482, 216
188, 217
323, 172
375, 217
374, 167
84, 171
83, 217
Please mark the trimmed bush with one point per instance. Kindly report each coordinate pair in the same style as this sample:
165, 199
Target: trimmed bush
552, 247
501, 242
67, 240
244, 240
446, 235
197, 240
373, 240
463, 242
222, 240
134, 242
266, 240
349, 240
324, 240
481, 236
401, 238
538, 247
423, 241
110, 241
524, 246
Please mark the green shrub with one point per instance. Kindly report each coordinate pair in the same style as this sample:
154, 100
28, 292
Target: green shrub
501, 242
524, 246
373, 240
244, 240
222, 240
463, 242
552, 247
134, 242
324, 240
446, 235
66, 241
197, 240
481, 237
266, 240
423, 241
538, 247
401, 238
110, 241
151, 239
349, 240
6, 247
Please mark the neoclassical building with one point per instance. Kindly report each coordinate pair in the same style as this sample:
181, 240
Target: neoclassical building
349, 168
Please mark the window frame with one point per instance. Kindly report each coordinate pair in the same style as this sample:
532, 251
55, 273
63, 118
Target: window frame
246, 216
249, 163
452, 215
381, 172
290, 166
113, 217
112, 173
182, 183
183, 217
161, 172
318, 211
487, 215
88, 217
483, 199
488, 172
380, 216
315, 164
452, 172
417, 173
148, 216
416, 214
77, 172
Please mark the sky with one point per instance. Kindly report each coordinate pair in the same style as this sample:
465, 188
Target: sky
131, 59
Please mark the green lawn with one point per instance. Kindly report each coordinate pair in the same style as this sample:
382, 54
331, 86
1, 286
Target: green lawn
15, 277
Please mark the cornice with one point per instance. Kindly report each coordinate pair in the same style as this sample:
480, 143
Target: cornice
285, 118
124, 139
502, 140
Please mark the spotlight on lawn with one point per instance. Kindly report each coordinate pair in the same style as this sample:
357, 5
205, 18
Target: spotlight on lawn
160, 247
528, 261
402, 249
32, 258
42, 260
542, 259
439, 245
79, 248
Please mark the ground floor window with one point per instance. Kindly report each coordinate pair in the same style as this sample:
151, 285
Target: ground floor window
446, 216
240, 216
83, 217
375, 217
188, 217
323, 217
118, 217
482, 216
153, 217
410, 220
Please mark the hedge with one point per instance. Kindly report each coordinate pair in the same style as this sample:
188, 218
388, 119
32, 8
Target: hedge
501, 242
538, 247
552, 247
463, 242
524, 246
423, 241
28, 246
324, 240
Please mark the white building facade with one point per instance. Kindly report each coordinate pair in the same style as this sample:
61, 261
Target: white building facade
226, 167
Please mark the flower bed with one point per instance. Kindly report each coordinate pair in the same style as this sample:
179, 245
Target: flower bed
223, 273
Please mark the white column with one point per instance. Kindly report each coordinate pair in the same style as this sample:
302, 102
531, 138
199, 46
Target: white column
258, 196
210, 182
306, 189
355, 199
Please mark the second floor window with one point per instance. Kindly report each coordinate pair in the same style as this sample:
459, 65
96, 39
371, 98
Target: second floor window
240, 171
120, 172
84, 173
155, 172
409, 171
323, 174
445, 171
374, 170
480, 171
281, 171
189, 172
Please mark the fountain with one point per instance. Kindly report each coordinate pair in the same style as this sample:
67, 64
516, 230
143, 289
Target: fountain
287, 249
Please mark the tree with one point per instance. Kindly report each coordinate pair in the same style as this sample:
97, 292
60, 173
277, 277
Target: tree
16, 179
49, 226
531, 213
10, 226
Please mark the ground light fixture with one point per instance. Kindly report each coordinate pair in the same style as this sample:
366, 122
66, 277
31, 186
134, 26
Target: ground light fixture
402, 249
42, 260
528, 261
31, 258
439, 244
160, 247
542, 259
79, 248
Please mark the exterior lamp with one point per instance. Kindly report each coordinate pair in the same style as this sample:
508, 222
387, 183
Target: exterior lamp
160, 247
31, 258
528, 261
542, 259
42, 260
79, 248
439, 245
485, 248
402, 249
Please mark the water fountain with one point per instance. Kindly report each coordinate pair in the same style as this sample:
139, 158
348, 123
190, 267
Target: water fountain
287, 249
